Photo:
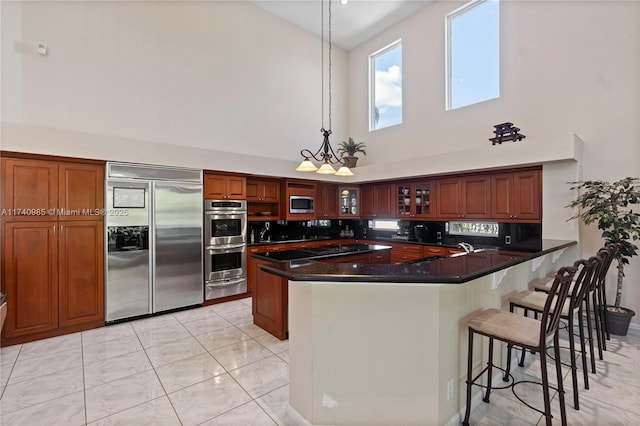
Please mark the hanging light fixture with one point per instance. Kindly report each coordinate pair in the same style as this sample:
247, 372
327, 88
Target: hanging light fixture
325, 154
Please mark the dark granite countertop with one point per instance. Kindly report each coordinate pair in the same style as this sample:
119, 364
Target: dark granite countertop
453, 269
285, 241
318, 253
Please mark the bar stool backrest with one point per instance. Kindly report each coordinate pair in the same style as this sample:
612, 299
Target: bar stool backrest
610, 250
555, 301
586, 279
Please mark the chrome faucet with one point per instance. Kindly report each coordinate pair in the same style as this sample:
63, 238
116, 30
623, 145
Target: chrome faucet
263, 231
468, 248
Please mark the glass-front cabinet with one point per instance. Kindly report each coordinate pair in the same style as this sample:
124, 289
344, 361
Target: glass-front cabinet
413, 199
349, 202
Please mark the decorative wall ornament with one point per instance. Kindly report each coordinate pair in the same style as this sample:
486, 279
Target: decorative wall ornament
506, 132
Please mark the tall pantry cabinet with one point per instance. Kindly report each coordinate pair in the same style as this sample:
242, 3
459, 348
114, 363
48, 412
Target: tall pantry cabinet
52, 247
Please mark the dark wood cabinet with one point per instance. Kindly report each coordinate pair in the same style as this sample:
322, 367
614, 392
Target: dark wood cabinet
327, 201
224, 187
52, 263
270, 301
464, 198
349, 202
376, 201
263, 191
30, 277
412, 199
405, 252
81, 267
81, 189
30, 190
517, 196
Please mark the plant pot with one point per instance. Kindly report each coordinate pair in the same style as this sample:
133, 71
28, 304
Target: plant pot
350, 161
618, 322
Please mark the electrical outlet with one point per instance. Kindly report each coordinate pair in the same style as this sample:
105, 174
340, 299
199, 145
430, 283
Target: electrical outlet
450, 389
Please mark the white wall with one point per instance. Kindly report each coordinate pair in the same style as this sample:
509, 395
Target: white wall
566, 66
222, 76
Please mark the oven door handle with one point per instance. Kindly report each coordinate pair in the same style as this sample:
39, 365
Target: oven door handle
226, 282
223, 249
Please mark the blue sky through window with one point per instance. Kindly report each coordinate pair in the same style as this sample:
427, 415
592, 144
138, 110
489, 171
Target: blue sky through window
474, 55
387, 88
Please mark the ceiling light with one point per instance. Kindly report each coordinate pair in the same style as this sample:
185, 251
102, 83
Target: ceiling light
343, 2
325, 154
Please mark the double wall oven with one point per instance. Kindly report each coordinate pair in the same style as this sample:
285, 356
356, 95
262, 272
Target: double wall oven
225, 248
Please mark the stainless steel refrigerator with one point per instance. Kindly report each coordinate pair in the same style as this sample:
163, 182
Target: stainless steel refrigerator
154, 239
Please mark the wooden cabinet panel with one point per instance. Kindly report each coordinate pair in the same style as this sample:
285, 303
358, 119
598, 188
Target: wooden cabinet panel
224, 187
383, 257
81, 268
449, 198
81, 189
517, 196
464, 198
376, 201
349, 202
30, 277
413, 199
53, 264
265, 191
270, 301
528, 204
30, 189
476, 197
431, 251
327, 201
405, 252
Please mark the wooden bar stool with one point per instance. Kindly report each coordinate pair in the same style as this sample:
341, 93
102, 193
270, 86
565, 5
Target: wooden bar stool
528, 333
535, 301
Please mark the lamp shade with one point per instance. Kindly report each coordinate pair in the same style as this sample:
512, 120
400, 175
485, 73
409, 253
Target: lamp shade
344, 171
326, 169
306, 166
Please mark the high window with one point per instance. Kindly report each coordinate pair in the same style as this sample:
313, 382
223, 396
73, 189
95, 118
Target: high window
473, 53
385, 95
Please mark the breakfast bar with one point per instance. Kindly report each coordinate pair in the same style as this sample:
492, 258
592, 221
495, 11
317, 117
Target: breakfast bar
386, 344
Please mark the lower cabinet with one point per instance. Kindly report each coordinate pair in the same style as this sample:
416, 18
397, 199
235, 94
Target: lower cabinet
270, 300
54, 275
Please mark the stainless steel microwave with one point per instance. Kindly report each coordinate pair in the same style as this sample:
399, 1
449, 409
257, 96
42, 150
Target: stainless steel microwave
300, 204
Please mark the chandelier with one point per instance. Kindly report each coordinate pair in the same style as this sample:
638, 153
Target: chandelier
325, 153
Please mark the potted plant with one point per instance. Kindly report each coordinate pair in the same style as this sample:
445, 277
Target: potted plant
348, 149
608, 205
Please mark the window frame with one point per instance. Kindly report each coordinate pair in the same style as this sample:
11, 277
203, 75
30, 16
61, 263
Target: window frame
448, 69
372, 83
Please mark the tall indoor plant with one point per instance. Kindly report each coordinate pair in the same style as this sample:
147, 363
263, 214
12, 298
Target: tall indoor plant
609, 205
348, 149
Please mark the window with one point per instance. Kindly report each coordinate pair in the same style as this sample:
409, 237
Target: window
473, 54
385, 95
477, 229
386, 225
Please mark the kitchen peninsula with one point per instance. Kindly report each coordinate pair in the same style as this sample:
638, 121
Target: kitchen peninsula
339, 314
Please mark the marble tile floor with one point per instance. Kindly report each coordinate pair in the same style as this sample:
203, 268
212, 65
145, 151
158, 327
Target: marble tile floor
212, 366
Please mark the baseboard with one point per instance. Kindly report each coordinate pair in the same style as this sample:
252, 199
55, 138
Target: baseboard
297, 417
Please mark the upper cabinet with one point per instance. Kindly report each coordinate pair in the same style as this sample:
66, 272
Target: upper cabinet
224, 187
376, 201
81, 187
517, 196
466, 197
413, 199
349, 202
47, 190
327, 201
263, 190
